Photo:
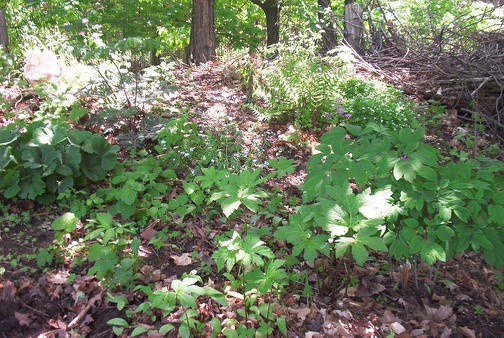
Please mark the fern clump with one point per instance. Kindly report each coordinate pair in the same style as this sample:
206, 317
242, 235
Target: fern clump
299, 88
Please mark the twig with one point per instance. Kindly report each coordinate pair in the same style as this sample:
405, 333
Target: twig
51, 333
85, 311
33, 309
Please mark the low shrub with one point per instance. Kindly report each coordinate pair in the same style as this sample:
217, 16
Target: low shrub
45, 160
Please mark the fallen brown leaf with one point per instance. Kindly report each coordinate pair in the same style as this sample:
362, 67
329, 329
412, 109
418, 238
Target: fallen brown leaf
467, 332
22, 319
301, 313
59, 278
397, 328
8, 291
439, 315
182, 260
148, 233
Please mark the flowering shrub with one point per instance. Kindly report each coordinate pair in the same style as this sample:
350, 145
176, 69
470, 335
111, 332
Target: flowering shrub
42, 66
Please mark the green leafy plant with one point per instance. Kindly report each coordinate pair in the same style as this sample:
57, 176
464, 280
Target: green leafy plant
232, 191
373, 188
46, 160
373, 101
259, 273
182, 294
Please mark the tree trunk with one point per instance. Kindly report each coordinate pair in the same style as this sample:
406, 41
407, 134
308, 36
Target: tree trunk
4, 34
271, 9
329, 39
354, 26
203, 43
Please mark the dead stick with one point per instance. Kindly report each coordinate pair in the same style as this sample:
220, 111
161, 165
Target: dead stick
33, 309
83, 312
50, 333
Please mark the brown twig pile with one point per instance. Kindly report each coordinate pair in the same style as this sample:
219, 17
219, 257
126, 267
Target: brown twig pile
461, 68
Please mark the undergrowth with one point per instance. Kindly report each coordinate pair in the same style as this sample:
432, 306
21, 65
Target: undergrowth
373, 185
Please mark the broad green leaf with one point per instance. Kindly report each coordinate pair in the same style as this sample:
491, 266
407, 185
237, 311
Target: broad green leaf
215, 295
411, 222
5, 157
282, 326
483, 241
127, 195
359, 253
32, 186
342, 244
416, 244
445, 213
375, 243
121, 302
428, 173
216, 326
44, 257
68, 222
118, 322
105, 219
496, 213
399, 249
139, 330
498, 197
8, 136
186, 300
230, 205
377, 205
163, 330
184, 330
432, 252
445, 233
312, 245
407, 168
118, 330
135, 245
283, 166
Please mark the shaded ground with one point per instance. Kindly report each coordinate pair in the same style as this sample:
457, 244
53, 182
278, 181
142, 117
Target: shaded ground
463, 298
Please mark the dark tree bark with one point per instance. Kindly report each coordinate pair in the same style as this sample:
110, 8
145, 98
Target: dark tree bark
203, 43
329, 39
271, 9
354, 26
4, 34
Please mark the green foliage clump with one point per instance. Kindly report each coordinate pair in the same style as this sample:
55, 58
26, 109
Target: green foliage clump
299, 88
386, 190
315, 91
46, 160
372, 101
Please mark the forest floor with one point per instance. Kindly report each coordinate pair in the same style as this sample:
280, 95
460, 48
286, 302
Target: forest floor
462, 298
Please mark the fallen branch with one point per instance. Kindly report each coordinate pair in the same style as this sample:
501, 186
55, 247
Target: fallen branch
81, 315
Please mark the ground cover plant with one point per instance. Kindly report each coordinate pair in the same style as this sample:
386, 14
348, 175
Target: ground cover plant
267, 193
